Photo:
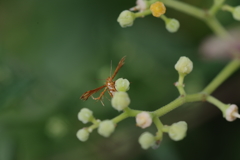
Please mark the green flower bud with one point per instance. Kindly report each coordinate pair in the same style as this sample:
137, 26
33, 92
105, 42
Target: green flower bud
236, 13
184, 65
83, 134
85, 115
120, 100
106, 128
126, 18
122, 85
146, 140
172, 25
177, 131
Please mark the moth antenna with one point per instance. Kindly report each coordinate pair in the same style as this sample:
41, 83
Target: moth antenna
111, 69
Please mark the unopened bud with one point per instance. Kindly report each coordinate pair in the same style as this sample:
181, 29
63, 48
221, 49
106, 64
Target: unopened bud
157, 9
122, 85
177, 131
106, 128
236, 13
172, 25
83, 134
120, 100
231, 113
143, 120
146, 140
85, 115
184, 65
126, 18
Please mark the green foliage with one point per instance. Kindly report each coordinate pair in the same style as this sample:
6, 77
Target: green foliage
52, 51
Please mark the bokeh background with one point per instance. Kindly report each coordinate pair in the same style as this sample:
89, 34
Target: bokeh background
51, 52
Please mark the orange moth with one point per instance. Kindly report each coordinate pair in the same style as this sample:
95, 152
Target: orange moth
109, 85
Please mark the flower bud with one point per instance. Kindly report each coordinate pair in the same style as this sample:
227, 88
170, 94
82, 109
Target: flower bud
231, 113
85, 115
146, 140
141, 6
157, 9
120, 100
143, 120
236, 13
172, 25
106, 128
184, 65
177, 131
126, 18
122, 85
83, 134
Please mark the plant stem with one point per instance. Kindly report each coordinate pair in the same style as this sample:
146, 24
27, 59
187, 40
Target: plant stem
185, 8
216, 6
120, 117
217, 103
142, 14
222, 76
217, 28
169, 107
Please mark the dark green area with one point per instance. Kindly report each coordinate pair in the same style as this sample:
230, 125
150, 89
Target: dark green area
51, 52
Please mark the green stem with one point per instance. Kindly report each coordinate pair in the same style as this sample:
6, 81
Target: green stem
217, 103
120, 117
169, 107
216, 6
222, 76
159, 126
185, 8
180, 85
142, 14
217, 28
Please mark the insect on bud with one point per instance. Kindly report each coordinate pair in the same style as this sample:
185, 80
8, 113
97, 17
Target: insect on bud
157, 9
177, 131
106, 128
236, 13
120, 100
126, 18
172, 25
184, 65
83, 135
231, 113
143, 120
85, 115
146, 140
122, 85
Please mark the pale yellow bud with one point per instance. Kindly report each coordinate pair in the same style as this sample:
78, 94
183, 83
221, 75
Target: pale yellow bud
184, 65
122, 85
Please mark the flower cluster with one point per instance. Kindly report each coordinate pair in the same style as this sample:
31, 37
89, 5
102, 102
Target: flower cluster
157, 9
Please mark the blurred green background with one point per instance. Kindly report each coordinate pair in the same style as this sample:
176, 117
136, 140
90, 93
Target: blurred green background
51, 52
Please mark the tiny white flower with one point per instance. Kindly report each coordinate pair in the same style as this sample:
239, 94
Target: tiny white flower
126, 18
236, 13
231, 113
143, 119
146, 140
83, 135
106, 128
172, 25
85, 115
120, 100
177, 131
122, 85
141, 6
